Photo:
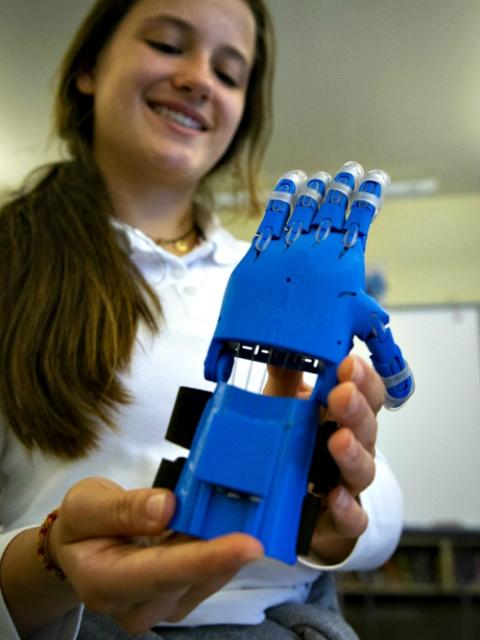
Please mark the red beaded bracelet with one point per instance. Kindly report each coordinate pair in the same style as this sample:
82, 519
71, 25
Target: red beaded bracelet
42, 546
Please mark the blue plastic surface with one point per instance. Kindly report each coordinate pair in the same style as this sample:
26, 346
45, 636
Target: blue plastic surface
246, 467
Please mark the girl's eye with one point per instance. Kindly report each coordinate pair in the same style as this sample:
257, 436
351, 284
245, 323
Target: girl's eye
164, 47
227, 79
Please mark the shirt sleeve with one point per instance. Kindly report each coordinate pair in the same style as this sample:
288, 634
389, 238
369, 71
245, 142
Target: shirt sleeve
63, 628
383, 502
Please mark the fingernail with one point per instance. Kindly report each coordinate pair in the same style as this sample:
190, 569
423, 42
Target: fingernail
352, 451
356, 375
255, 554
341, 499
353, 402
155, 506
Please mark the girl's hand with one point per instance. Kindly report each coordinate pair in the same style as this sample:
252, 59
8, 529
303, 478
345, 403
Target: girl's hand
96, 541
353, 404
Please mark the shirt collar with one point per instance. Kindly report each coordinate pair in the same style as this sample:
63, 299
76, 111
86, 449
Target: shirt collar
219, 245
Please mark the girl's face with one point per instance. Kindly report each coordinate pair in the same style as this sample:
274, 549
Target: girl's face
169, 88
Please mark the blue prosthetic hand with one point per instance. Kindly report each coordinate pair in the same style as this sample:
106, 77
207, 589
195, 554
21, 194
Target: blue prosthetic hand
258, 464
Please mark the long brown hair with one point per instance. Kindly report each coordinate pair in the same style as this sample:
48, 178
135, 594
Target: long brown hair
70, 297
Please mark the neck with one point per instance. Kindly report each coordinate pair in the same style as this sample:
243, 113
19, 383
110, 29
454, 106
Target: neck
161, 217
159, 210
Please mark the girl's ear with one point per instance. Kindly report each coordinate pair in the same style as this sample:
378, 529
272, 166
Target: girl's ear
86, 83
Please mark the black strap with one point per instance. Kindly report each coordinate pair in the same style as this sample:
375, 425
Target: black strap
187, 411
324, 472
324, 475
168, 473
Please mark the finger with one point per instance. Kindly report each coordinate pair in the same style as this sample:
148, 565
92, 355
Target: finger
97, 507
132, 574
279, 207
197, 594
283, 382
349, 408
197, 560
170, 607
355, 463
112, 577
310, 198
345, 516
340, 189
367, 380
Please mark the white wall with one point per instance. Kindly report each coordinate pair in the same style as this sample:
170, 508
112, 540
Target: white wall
433, 442
33, 38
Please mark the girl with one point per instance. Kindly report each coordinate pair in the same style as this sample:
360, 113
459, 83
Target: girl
112, 269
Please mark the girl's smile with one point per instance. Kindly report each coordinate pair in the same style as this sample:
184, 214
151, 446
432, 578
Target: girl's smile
181, 116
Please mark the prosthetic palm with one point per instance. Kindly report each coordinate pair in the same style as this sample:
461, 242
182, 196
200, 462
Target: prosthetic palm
258, 464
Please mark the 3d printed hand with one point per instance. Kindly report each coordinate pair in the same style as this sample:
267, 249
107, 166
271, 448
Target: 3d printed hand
296, 300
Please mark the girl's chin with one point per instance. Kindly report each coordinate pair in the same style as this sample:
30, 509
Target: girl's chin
182, 168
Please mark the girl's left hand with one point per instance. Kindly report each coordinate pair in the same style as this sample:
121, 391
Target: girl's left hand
353, 404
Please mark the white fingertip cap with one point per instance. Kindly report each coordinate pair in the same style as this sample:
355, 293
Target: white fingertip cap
355, 169
380, 176
323, 176
297, 176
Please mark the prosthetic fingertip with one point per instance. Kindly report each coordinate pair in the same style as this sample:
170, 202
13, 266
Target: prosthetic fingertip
392, 403
297, 176
355, 169
380, 176
320, 176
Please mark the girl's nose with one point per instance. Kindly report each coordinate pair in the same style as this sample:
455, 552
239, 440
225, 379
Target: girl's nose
195, 78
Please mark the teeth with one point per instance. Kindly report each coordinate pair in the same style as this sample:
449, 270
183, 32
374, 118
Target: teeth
176, 116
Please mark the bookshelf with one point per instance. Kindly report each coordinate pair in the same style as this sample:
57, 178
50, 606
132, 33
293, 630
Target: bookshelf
429, 589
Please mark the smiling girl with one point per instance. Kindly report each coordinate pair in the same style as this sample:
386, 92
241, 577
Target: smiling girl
112, 270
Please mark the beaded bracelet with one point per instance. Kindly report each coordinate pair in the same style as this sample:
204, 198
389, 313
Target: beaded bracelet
42, 546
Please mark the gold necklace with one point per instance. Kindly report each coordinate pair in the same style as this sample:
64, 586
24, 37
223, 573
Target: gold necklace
181, 244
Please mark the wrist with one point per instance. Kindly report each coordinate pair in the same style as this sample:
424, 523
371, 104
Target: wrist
45, 546
32, 596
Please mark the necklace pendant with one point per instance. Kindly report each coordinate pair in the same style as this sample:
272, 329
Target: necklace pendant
181, 246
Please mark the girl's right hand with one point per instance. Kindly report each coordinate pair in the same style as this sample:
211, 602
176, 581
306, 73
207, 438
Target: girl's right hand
95, 542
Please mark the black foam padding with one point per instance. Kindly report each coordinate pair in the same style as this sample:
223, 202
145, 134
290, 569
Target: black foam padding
324, 475
168, 474
324, 472
187, 411
310, 512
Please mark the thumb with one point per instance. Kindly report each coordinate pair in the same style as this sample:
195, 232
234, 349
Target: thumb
97, 507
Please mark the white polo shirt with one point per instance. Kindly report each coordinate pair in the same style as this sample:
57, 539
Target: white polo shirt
190, 289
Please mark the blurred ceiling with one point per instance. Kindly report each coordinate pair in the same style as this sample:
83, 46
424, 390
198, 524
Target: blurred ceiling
391, 84
394, 85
